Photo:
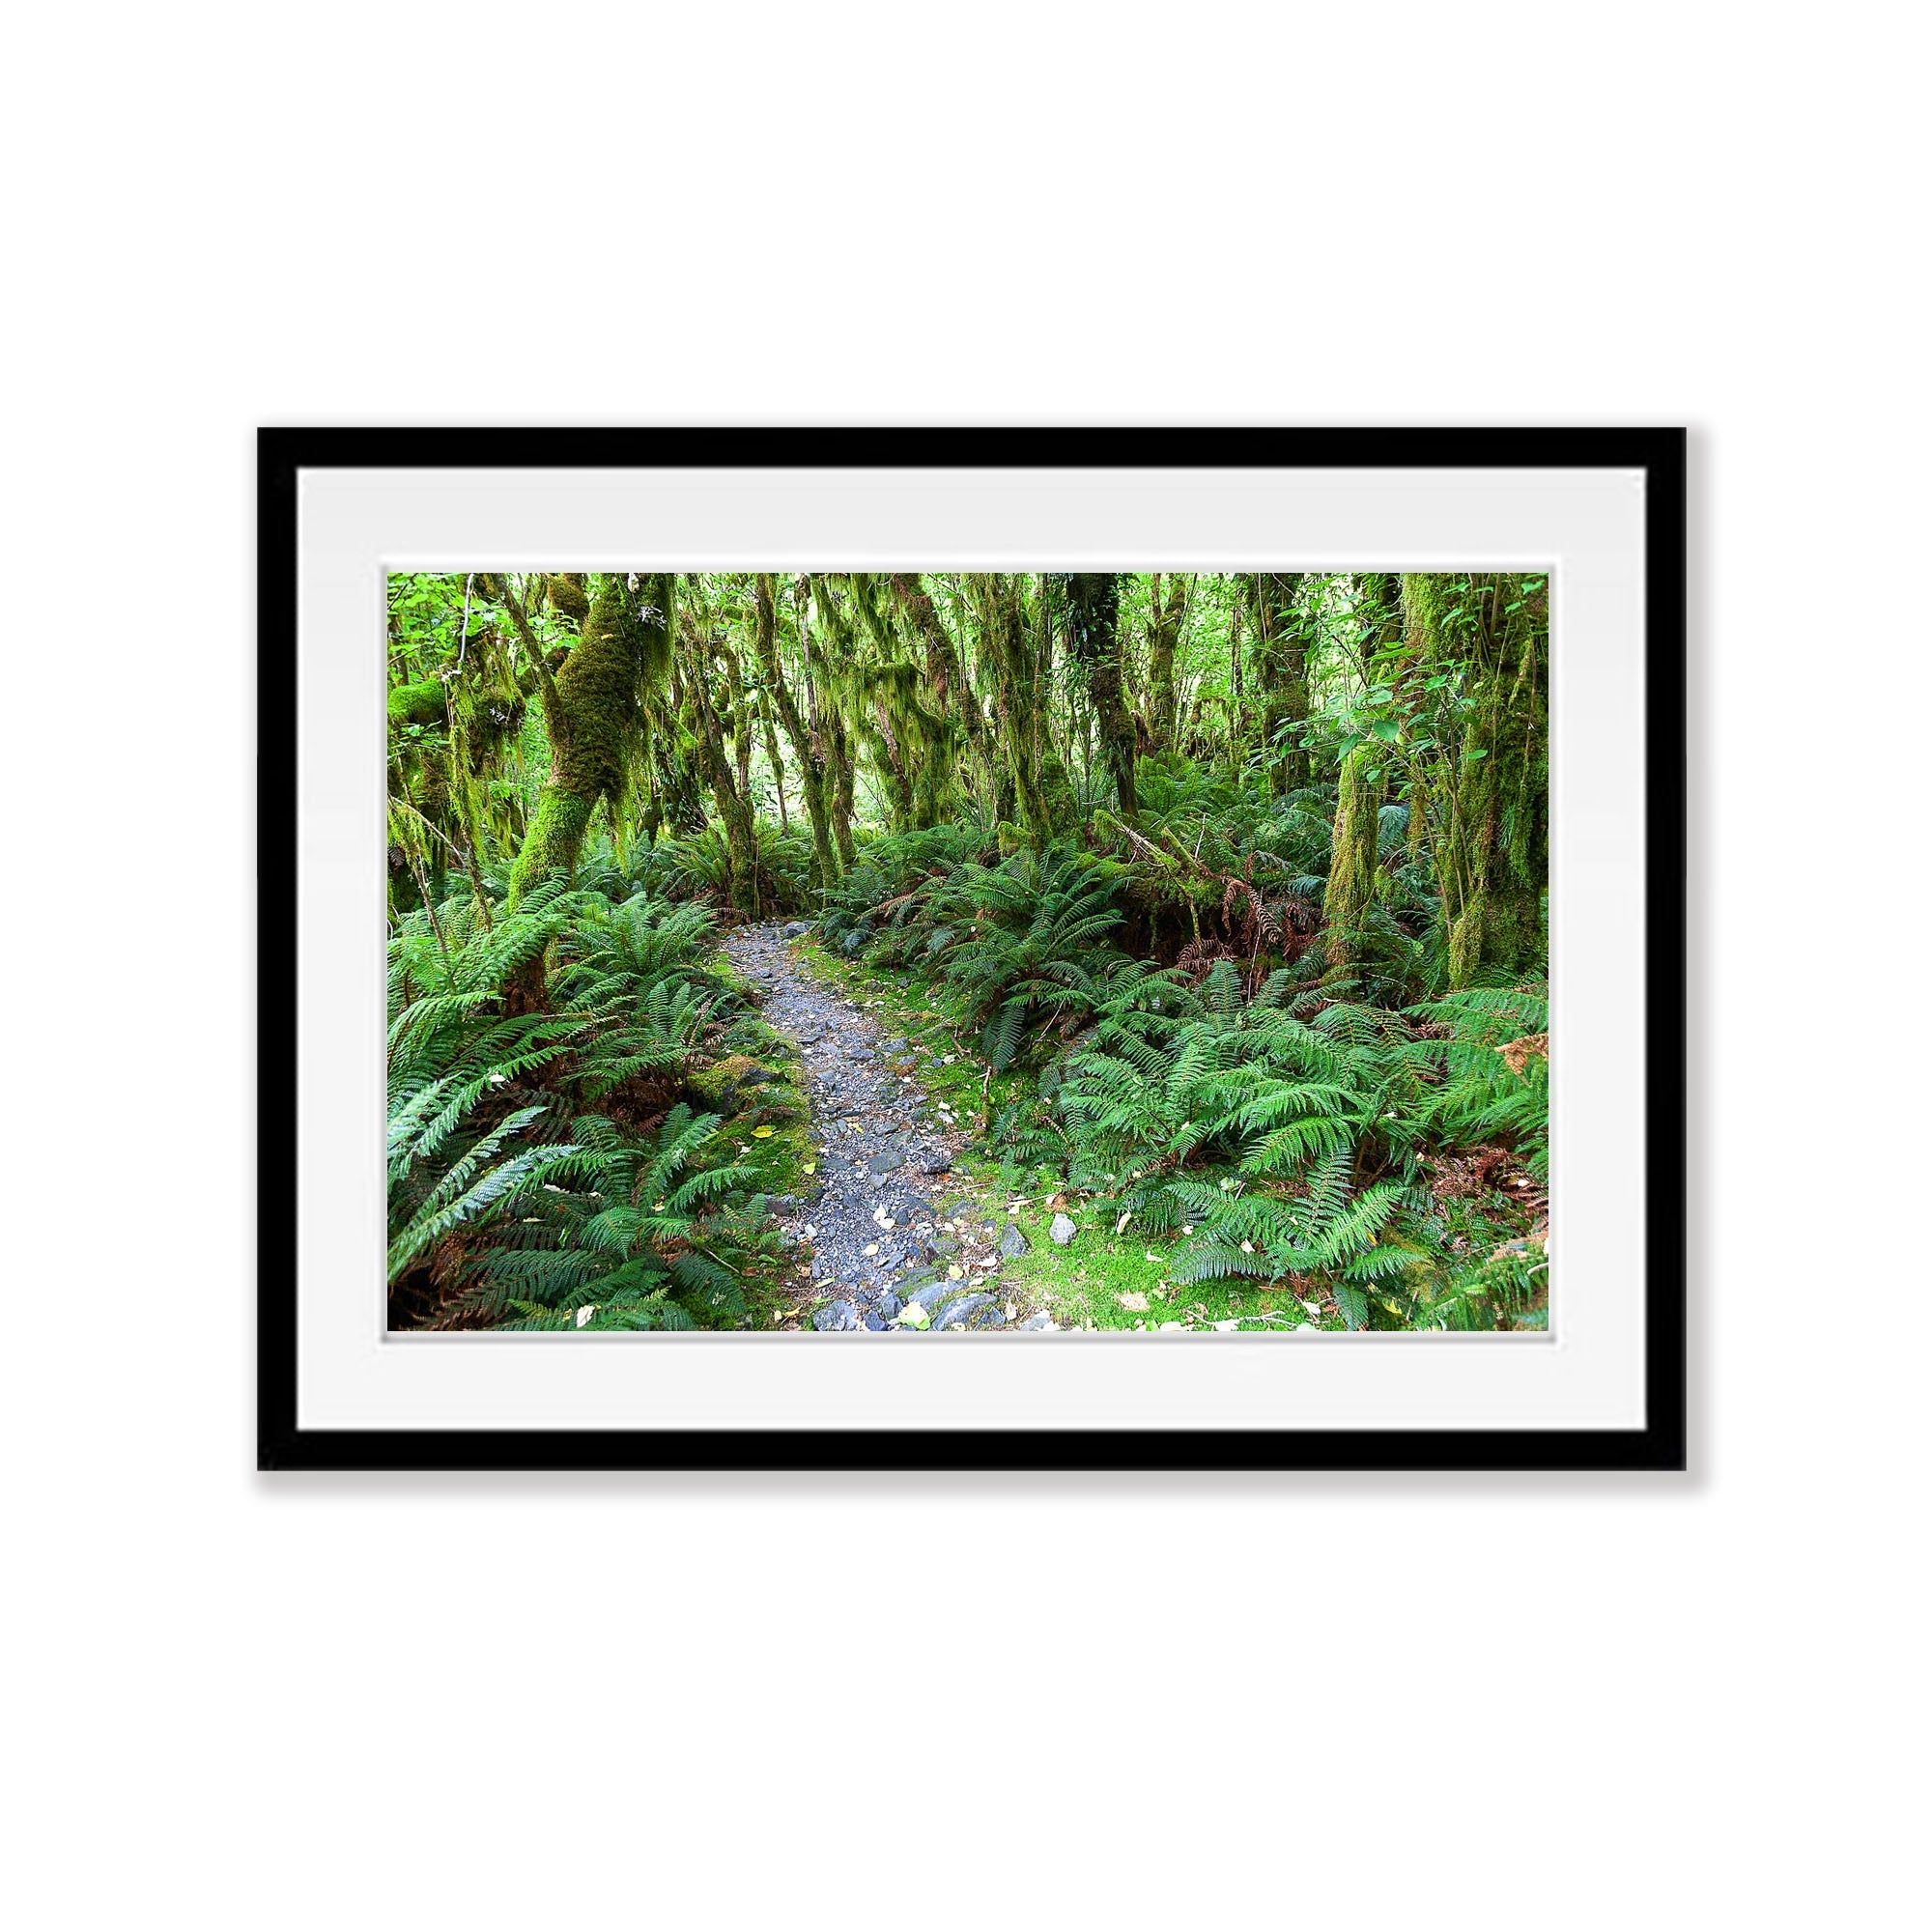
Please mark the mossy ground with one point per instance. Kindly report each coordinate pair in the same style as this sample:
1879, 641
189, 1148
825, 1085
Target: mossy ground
767, 1128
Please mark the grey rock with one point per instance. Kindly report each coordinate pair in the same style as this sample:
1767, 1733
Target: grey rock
1040, 1323
886, 1303
836, 1317
938, 1164
887, 1160
1013, 1243
1063, 1231
935, 1295
797, 929
971, 1311
859, 1052
874, 1325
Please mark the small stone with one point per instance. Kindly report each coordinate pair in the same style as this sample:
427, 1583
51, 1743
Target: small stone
1063, 1231
837, 1317
1041, 1323
797, 929
938, 1164
874, 1325
971, 1311
887, 1160
1013, 1243
886, 1303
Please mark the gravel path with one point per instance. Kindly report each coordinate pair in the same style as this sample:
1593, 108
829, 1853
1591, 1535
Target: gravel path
881, 1250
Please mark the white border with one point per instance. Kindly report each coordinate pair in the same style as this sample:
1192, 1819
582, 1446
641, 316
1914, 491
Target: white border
1585, 526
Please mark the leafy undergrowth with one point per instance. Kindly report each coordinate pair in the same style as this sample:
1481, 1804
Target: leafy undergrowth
1230, 1165
585, 1119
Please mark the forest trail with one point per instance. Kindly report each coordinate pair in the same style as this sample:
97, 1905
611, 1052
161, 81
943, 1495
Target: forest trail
882, 1248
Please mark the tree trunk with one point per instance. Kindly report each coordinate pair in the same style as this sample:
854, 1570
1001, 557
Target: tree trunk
1093, 620
1037, 779
592, 711
1281, 660
1351, 864
1163, 635
1490, 808
810, 754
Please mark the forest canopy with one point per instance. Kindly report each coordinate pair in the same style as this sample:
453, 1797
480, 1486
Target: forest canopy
1228, 893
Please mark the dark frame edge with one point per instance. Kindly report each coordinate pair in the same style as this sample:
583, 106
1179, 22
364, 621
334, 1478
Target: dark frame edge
1661, 1445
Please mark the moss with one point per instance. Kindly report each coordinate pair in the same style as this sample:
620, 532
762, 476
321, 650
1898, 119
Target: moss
1352, 868
596, 722
568, 597
554, 838
720, 1086
1491, 803
416, 704
1281, 660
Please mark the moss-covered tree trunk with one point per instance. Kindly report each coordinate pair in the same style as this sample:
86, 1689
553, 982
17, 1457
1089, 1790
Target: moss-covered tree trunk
1043, 797
1487, 792
806, 750
1165, 612
1281, 664
593, 713
707, 680
945, 673
844, 781
1352, 863
1092, 626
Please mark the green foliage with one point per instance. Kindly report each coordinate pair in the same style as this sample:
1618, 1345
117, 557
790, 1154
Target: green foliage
542, 1170
1023, 942
1292, 1138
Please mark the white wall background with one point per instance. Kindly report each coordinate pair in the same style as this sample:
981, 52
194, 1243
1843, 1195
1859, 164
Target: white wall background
875, 1702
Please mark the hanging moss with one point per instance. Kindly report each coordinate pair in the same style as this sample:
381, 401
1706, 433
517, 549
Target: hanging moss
1488, 794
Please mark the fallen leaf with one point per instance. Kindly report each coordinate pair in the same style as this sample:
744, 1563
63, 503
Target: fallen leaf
762, 1133
1134, 1304
1120, 1223
583, 1315
808, 1167
955, 1273
912, 1316
870, 1248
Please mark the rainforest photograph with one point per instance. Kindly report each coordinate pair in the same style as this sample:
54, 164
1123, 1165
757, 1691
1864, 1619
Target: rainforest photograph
956, 953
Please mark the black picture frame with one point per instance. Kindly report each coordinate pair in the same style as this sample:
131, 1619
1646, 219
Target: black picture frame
1660, 1444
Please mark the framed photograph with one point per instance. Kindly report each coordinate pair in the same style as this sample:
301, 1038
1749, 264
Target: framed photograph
971, 949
